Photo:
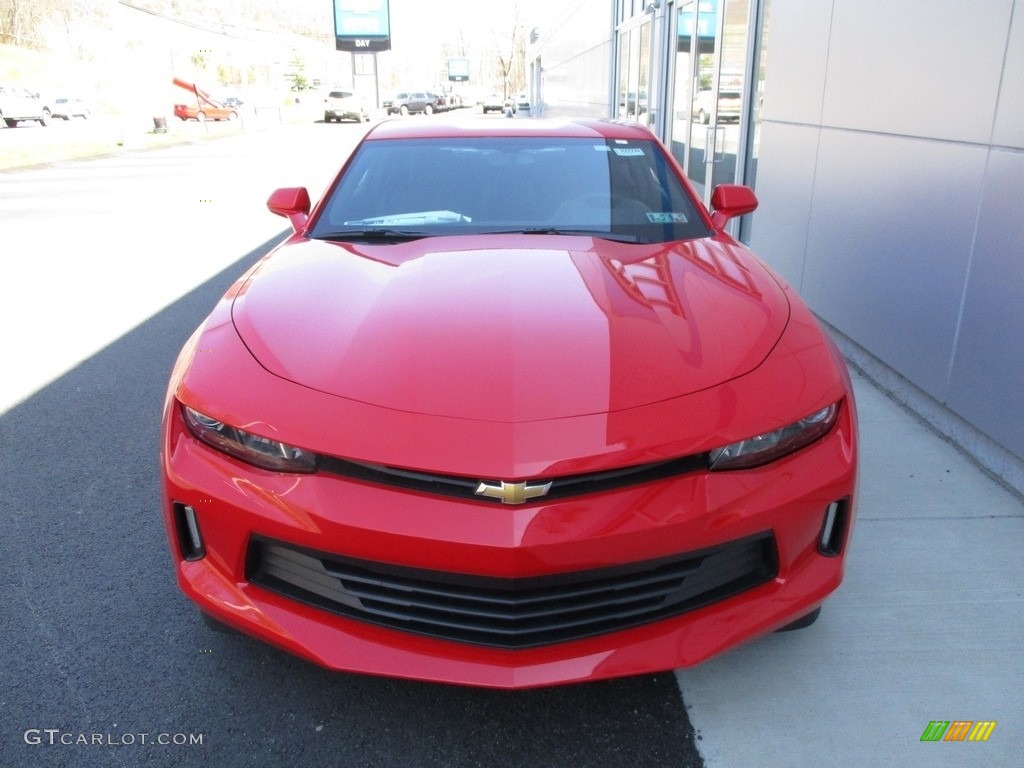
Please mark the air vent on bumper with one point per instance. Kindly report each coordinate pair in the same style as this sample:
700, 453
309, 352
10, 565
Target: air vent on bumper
513, 613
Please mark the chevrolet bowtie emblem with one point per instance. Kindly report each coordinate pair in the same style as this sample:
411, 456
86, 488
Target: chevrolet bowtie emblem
512, 493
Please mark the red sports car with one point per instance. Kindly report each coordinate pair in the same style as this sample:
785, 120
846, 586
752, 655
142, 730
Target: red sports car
509, 408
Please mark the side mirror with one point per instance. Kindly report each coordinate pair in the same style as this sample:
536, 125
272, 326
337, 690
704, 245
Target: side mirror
729, 201
292, 203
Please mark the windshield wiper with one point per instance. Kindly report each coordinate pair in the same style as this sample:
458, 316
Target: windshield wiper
382, 234
615, 236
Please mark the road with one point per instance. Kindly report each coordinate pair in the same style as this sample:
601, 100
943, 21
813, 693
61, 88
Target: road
107, 267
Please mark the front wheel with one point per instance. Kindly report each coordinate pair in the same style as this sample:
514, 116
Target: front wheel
45, 119
428, 110
201, 117
404, 111
232, 116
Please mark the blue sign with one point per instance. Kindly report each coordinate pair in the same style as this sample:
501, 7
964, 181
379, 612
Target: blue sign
458, 70
362, 26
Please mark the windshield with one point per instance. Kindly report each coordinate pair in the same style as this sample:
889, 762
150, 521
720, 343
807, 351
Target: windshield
546, 185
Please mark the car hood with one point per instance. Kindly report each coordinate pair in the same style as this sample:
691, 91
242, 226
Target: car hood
510, 328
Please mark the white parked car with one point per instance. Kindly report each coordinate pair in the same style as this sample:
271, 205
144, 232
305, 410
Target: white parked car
17, 103
68, 108
345, 105
493, 103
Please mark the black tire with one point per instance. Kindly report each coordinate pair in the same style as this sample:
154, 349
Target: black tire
403, 110
803, 622
428, 110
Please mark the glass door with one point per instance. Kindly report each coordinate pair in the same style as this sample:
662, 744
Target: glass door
702, 119
681, 71
634, 72
707, 90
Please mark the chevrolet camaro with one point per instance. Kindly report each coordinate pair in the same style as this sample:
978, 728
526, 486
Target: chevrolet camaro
509, 407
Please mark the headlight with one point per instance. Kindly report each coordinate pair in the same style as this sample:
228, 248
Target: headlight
755, 451
250, 448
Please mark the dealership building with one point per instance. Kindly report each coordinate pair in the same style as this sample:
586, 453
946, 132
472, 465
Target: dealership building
885, 142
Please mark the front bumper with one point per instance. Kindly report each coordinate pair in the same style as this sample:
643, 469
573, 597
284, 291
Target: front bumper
236, 505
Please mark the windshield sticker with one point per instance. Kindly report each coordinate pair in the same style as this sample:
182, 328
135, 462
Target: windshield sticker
602, 148
629, 151
666, 218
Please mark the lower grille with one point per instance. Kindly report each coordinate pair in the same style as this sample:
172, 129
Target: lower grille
513, 613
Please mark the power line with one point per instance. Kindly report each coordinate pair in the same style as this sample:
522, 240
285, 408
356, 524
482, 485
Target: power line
221, 28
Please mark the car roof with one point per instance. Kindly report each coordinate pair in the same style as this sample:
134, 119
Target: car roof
483, 127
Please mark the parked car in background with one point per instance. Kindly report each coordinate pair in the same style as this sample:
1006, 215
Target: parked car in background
17, 103
345, 105
208, 110
67, 108
493, 103
729, 104
412, 102
233, 101
630, 103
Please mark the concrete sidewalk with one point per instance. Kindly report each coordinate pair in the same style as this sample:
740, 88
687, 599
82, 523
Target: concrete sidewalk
928, 625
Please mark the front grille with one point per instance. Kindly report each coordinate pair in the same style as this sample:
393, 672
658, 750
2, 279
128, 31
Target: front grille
513, 613
561, 487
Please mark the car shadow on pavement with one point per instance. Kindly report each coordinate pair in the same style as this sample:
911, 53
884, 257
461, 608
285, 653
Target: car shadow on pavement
109, 664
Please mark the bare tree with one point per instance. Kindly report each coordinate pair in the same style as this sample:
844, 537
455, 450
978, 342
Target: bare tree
511, 54
19, 22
